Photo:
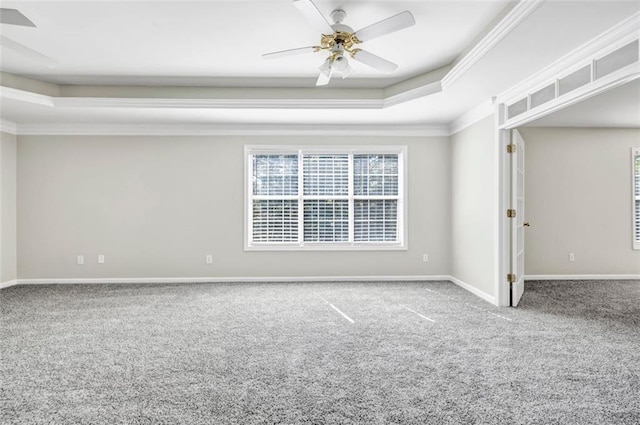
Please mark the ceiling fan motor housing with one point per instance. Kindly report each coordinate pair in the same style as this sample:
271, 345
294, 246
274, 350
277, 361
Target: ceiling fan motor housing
338, 16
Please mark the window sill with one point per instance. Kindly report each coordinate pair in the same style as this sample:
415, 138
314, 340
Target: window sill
323, 247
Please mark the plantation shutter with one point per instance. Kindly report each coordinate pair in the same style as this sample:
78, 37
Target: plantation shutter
326, 202
375, 184
324, 198
275, 208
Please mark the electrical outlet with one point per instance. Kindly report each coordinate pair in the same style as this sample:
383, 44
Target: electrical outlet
572, 257
425, 258
80, 259
101, 259
209, 259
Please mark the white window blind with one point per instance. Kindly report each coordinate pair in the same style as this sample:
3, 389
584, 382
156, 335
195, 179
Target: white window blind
635, 163
318, 198
274, 204
376, 192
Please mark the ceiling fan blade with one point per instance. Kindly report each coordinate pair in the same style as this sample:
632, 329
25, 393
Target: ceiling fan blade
13, 17
27, 52
394, 23
374, 61
289, 52
313, 15
324, 77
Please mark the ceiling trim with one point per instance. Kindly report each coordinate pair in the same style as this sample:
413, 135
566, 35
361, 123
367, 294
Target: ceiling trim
26, 96
483, 110
8, 127
231, 130
510, 21
102, 102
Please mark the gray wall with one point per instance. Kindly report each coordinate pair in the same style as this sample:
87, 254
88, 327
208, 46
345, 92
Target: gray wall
155, 206
7, 207
473, 182
578, 199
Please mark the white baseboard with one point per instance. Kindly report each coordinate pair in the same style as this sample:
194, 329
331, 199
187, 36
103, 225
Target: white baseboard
8, 283
583, 277
474, 290
137, 280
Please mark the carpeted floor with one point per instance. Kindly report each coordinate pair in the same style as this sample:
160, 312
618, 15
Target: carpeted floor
319, 353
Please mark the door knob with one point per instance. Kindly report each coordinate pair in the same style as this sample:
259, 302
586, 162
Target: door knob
526, 224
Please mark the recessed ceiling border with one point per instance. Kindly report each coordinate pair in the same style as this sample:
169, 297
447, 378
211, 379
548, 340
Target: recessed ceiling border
411, 89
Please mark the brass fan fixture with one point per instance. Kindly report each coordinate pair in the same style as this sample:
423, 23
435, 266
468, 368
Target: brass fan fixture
339, 40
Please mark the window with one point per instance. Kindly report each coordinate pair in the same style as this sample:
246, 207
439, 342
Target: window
325, 198
635, 162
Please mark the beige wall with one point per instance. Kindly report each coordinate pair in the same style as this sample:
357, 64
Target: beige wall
473, 165
7, 207
578, 199
155, 206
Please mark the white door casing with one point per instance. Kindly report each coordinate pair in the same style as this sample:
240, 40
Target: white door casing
517, 223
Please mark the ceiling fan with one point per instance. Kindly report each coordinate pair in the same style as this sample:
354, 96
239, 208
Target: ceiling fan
14, 17
339, 40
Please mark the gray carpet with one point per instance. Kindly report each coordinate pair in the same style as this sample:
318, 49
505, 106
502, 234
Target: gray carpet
319, 353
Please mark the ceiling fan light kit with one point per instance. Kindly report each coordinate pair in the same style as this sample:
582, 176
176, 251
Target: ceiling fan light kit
338, 38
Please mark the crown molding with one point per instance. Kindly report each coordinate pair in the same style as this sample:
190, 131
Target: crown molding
9, 127
512, 19
104, 102
472, 116
26, 96
233, 130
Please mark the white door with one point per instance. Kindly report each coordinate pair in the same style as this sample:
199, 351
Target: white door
517, 223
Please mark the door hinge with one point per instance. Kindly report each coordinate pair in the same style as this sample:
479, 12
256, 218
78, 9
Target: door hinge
511, 148
511, 213
511, 278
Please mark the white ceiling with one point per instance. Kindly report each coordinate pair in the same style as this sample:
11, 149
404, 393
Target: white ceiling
124, 42
202, 46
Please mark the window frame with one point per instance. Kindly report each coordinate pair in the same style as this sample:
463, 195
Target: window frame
635, 197
351, 245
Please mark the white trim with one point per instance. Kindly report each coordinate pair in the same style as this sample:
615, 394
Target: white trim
7, 126
583, 277
26, 96
503, 138
9, 283
214, 103
502, 200
635, 151
497, 33
138, 280
475, 291
472, 116
601, 85
233, 130
412, 94
610, 40
618, 36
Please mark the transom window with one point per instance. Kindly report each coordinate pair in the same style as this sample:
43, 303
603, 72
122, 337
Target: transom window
314, 198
